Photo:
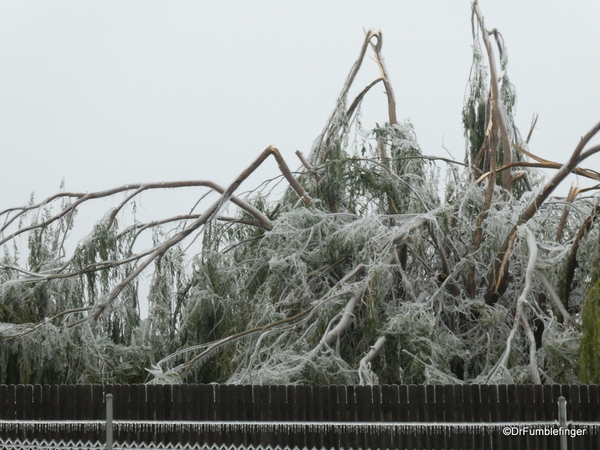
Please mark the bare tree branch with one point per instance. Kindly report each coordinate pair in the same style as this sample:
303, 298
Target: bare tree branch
386, 78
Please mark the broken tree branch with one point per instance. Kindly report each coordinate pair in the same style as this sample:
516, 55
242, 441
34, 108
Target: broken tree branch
573, 191
498, 278
389, 91
572, 261
496, 106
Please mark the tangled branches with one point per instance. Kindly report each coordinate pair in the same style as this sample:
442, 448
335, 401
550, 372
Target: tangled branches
359, 273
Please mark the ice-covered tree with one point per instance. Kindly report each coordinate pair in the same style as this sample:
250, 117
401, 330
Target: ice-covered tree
360, 272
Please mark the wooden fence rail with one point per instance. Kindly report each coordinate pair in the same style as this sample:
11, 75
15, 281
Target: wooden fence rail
424, 417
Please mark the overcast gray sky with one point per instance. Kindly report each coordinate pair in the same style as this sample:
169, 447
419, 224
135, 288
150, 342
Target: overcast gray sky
102, 93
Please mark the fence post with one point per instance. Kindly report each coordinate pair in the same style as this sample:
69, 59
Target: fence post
109, 421
562, 421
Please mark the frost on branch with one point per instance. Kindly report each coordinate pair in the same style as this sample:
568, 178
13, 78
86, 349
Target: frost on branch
359, 273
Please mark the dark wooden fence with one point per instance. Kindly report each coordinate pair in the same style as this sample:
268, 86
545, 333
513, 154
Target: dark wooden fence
395, 417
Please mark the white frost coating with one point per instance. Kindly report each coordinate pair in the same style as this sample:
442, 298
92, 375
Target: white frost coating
285, 427
365, 374
519, 317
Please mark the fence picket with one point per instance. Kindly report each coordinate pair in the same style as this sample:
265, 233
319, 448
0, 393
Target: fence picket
413, 403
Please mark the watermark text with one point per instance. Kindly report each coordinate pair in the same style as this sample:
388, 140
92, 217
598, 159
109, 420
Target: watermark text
543, 431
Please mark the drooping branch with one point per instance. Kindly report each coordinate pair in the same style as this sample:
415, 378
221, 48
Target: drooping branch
348, 313
156, 252
137, 187
519, 315
213, 346
23, 329
342, 324
364, 372
533, 367
360, 97
190, 365
202, 220
262, 219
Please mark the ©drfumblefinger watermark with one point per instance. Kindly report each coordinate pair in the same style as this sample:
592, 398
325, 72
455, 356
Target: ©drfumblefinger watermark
543, 431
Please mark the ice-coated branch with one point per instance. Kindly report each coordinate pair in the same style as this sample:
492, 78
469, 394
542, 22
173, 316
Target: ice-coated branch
24, 329
332, 293
572, 261
202, 220
190, 365
519, 317
556, 300
498, 276
348, 313
364, 370
443, 258
533, 367
262, 219
137, 188
343, 323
